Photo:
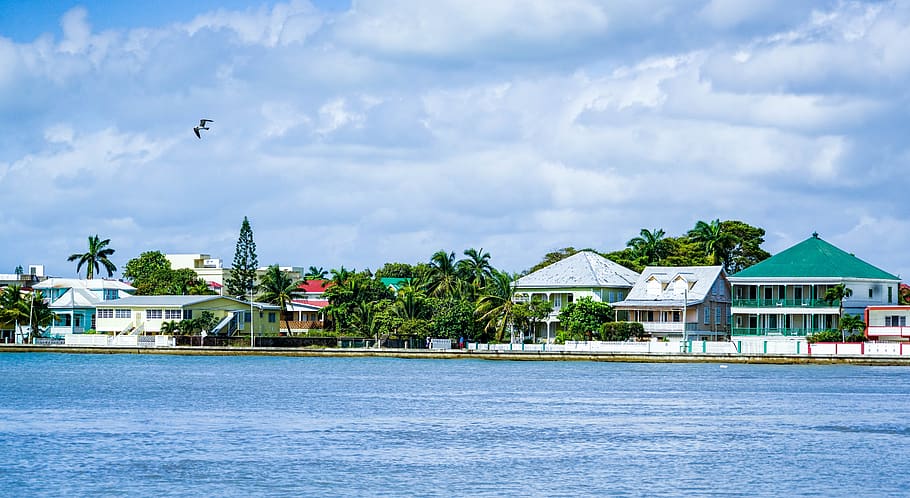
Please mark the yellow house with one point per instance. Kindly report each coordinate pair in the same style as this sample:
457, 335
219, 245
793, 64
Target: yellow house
145, 314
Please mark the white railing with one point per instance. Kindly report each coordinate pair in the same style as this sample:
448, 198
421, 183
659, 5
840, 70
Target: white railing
755, 347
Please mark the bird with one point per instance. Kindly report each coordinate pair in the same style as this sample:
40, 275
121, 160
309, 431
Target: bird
202, 126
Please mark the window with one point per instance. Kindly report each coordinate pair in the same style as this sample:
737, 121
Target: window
123, 314
103, 313
889, 294
271, 317
173, 314
707, 314
611, 297
247, 317
676, 316
895, 321
153, 314
187, 314
110, 294
870, 292
717, 312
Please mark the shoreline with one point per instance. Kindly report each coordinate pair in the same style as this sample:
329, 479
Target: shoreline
462, 354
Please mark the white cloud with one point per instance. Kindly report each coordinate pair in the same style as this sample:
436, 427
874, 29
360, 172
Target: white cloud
400, 128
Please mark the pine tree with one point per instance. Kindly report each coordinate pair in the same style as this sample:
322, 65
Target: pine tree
243, 273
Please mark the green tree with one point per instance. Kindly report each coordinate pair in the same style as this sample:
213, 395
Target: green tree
98, 255
13, 307
395, 270
277, 287
713, 240
151, 275
475, 268
40, 313
443, 276
852, 328
243, 272
452, 318
19, 270
585, 317
314, 273
494, 308
837, 294
649, 245
746, 248
169, 327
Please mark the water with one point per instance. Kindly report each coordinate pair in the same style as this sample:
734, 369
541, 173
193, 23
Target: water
145, 425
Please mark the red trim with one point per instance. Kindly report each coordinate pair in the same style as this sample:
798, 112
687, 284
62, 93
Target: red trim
862, 348
808, 348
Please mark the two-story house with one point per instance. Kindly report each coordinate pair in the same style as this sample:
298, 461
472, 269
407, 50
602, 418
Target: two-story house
584, 274
685, 302
784, 295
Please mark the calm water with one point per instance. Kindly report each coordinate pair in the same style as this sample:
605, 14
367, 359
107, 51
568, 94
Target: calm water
137, 425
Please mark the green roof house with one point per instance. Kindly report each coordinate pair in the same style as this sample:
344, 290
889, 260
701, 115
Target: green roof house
784, 295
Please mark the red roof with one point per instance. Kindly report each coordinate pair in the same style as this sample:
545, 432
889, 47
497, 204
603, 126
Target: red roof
214, 285
317, 303
315, 286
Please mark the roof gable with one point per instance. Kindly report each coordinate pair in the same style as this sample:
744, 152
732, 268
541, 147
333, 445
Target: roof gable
690, 284
814, 257
582, 269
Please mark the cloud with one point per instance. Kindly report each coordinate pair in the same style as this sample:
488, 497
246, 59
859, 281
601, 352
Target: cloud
395, 129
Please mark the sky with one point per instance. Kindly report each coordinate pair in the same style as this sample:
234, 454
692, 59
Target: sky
364, 132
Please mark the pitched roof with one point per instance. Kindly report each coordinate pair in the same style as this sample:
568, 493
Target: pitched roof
814, 257
76, 298
582, 269
699, 280
395, 282
82, 283
176, 301
315, 286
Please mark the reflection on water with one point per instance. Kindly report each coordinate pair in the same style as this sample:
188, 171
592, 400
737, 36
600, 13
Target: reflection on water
142, 425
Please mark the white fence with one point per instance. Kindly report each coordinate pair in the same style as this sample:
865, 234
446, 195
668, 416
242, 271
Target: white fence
136, 341
744, 347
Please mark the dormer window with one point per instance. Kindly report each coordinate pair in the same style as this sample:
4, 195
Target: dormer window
654, 287
110, 294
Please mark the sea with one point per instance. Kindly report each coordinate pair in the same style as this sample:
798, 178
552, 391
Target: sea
163, 425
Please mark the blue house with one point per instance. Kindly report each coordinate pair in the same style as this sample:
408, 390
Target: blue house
74, 301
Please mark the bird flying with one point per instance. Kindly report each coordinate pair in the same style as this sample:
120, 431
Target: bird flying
201, 126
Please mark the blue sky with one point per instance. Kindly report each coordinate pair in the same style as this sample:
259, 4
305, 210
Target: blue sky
360, 133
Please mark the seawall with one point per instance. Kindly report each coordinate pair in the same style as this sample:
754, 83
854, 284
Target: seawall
472, 354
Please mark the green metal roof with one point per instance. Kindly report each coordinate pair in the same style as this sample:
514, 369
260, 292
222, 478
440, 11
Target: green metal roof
395, 283
814, 257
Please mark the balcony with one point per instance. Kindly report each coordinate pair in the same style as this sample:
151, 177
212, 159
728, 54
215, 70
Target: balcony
785, 303
889, 331
652, 327
776, 331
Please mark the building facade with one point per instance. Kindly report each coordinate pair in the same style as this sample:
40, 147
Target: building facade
784, 296
887, 323
145, 314
584, 274
687, 302
74, 301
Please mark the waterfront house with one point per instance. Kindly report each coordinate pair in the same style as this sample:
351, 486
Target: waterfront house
784, 296
145, 314
584, 274
887, 323
74, 301
685, 302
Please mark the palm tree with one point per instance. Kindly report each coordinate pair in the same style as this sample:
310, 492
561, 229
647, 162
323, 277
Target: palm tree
476, 268
838, 293
714, 241
409, 302
649, 244
40, 314
169, 327
277, 287
851, 323
314, 273
13, 307
443, 275
494, 308
365, 314
97, 256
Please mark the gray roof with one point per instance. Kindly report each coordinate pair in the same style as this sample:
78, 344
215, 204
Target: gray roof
82, 283
699, 281
176, 301
582, 269
76, 298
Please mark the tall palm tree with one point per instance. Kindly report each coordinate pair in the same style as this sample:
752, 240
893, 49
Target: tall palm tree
365, 313
277, 287
649, 244
443, 275
714, 241
96, 256
475, 268
40, 313
409, 302
494, 308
